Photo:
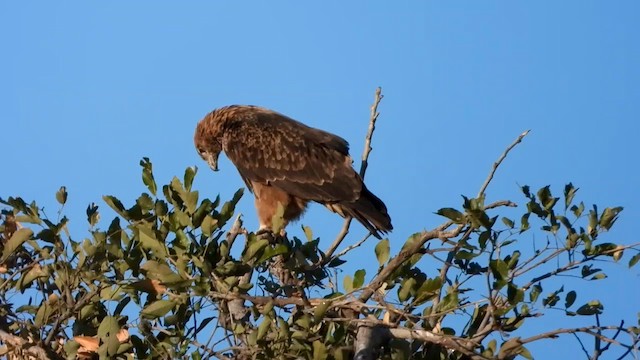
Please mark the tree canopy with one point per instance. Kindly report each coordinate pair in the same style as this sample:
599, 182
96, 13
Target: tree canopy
177, 275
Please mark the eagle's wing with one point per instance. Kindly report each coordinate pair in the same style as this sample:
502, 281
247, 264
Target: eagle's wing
308, 163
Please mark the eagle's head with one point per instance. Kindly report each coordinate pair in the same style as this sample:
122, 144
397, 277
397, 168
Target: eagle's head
208, 138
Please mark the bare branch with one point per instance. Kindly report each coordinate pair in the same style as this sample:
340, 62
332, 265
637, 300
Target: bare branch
372, 126
499, 161
404, 255
23, 346
363, 167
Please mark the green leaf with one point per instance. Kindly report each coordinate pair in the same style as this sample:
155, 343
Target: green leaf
160, 271
609, 217
158, 308
569, 194
189, 175
108, 331
358, 279
17, 239
382, 251
148, 240
116, 205
263, 327
93, 216
428, 290
570, 299
147, 175
308, 233
508, 222
320, 310
510, 348
500, 272
405, 289
452, 214
465, 255
591, 308
634, 260
553, 298
209, 224
515, 295
546, 199
270, 252
254, 249
524, 223
347, 283
577, 210
61, 195
319, 351
593, 221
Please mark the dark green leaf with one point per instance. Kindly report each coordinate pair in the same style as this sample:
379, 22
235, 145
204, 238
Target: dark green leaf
147, 175
358, 279
515, 295
465, 255
452, 214
570, 299
590, 308
546, 199
609, 217
93, 216
634, 260
524, 223
189, 175
320, 310
270, 252
569, 194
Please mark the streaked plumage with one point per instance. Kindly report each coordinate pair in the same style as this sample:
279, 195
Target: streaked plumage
284, 161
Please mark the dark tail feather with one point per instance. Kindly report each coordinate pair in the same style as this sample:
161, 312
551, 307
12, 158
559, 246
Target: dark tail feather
371, 212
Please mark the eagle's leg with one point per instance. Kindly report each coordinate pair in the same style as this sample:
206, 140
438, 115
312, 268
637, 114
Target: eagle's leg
268, 199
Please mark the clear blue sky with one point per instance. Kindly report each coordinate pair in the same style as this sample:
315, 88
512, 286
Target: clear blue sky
87, 89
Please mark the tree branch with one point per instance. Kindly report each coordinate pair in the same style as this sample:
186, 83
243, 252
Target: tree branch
499, 161
363, 168
23, 346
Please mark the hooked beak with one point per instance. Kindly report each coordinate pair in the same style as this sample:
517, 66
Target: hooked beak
212, 160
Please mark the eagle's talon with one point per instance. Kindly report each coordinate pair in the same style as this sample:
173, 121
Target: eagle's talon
266, 234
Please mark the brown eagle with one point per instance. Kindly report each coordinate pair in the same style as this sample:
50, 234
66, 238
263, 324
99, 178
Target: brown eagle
283, 161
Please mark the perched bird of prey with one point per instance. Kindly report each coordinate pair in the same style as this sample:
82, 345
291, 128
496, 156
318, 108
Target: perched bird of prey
283, 161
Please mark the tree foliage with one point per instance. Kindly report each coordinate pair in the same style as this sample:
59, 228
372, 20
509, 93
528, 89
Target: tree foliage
175, 275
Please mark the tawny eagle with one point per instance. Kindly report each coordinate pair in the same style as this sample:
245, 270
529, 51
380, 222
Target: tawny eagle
283, 161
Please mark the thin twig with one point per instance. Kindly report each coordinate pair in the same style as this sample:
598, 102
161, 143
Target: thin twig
372, 126
363, 168
351, 247
499, 161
